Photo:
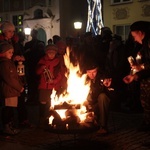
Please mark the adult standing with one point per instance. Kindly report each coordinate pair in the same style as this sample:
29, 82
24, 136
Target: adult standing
140, 31
34, 50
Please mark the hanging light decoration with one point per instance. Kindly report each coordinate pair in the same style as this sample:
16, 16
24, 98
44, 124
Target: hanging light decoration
94, 22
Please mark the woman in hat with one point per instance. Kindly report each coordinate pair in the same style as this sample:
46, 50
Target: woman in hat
140, 32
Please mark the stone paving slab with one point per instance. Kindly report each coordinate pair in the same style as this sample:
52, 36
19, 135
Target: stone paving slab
123, 136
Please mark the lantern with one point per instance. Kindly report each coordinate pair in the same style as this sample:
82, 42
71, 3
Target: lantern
20, 69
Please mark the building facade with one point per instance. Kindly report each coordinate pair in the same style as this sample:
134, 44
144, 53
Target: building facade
42, 15
120, 14
56, 17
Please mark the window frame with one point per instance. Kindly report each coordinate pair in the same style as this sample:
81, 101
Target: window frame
125, 31
18, 22
121, 2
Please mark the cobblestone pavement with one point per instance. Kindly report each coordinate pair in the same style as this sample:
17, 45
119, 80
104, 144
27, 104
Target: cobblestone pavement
123, 136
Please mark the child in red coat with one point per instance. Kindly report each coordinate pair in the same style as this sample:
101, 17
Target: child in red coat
49, 72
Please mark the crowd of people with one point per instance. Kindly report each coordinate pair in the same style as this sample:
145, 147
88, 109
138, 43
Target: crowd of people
103, 58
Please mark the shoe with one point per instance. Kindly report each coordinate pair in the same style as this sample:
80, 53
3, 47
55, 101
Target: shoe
10, 130
102, 131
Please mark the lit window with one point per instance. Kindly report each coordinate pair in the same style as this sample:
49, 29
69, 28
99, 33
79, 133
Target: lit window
20, 30
20, 17
20, 23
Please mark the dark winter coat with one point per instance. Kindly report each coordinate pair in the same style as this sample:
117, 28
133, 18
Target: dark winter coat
97, 87
10, 83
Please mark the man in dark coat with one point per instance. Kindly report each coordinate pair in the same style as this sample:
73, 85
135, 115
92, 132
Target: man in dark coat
100, 94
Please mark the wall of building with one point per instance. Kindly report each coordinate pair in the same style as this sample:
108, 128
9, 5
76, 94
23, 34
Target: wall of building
125, 14
71, 11
50, 24
65, 13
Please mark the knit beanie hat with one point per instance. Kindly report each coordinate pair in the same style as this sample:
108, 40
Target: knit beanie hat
90, 64
5, 46
51, 47
6, 25
140, 26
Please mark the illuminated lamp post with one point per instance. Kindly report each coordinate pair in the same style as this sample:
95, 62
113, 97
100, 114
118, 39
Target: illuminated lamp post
78, 26
27, 31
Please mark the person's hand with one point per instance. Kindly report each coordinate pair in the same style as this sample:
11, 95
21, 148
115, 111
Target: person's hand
22, 89
137, 67
18, 58
43, 67
128, 79
22, 58
107, 82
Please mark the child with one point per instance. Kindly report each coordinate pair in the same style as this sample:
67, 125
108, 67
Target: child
10, 86
49, 71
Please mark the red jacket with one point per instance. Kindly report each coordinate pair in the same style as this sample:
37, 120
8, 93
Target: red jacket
55, 70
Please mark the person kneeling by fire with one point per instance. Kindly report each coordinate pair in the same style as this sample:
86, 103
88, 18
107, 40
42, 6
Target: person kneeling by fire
100, 95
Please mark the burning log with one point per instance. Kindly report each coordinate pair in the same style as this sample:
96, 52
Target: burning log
72, 119
65, 105
90, 117
54, 114
71, 112
57, 119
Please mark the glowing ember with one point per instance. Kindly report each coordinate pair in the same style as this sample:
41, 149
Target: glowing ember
74, 97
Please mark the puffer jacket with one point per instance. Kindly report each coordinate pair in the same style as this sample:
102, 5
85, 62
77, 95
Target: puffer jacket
53, 66
10, 83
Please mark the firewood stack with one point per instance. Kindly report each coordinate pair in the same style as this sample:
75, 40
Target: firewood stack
72, 120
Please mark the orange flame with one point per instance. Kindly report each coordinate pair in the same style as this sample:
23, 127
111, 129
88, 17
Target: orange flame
77, 90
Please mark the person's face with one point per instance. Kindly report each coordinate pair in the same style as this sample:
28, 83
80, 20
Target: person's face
62, 50
138, 36
92, 73
9, 33
8, 54
51, 54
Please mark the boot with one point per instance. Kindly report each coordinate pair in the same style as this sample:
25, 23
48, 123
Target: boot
8, 129
43, 123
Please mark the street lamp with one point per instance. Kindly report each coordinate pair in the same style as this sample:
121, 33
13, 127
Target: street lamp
27, 31
78, 26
